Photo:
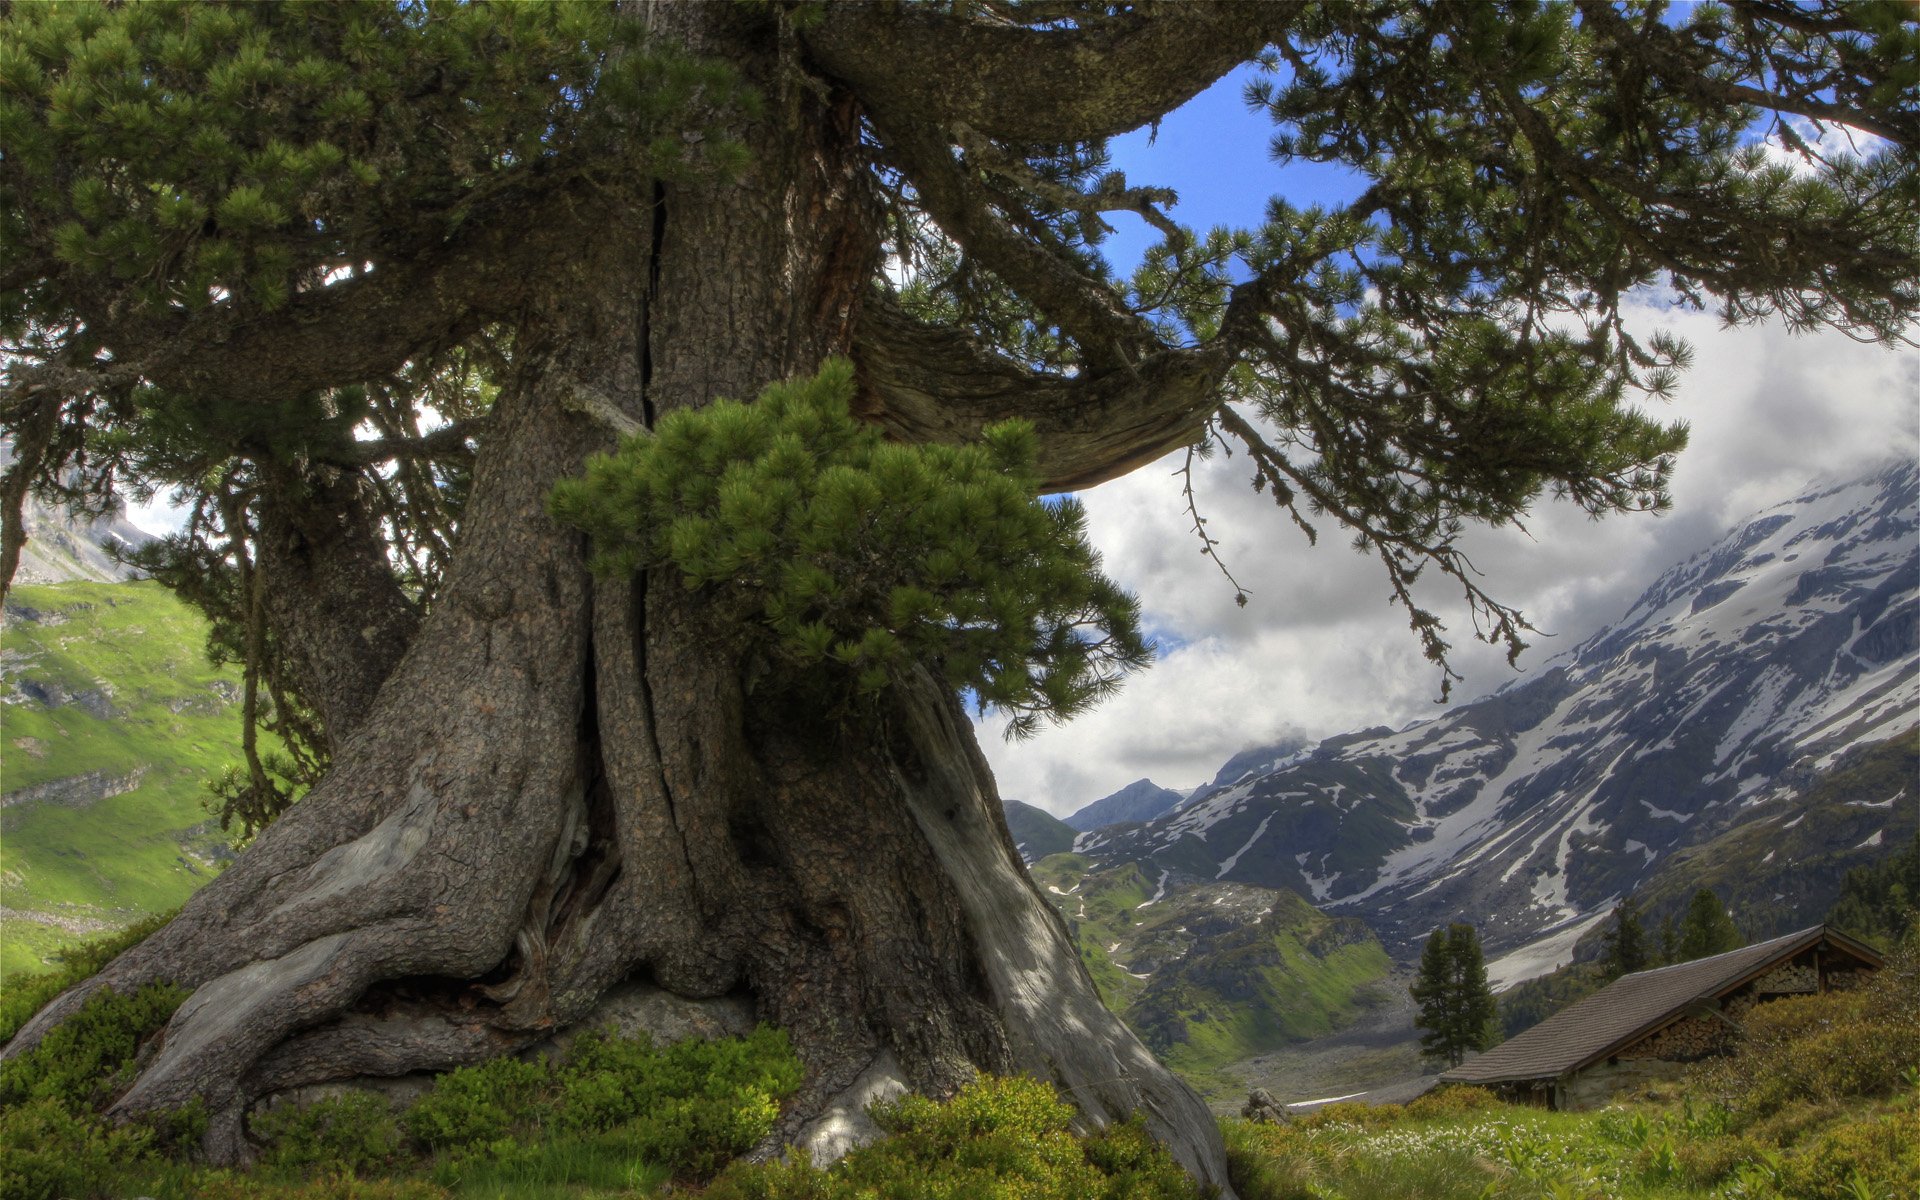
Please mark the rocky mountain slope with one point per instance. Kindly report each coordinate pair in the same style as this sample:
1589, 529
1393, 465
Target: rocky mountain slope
1141, 800
1703, 733
64, 546
1210, 974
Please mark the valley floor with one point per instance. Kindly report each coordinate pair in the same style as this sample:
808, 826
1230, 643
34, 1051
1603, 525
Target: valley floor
1375, 1060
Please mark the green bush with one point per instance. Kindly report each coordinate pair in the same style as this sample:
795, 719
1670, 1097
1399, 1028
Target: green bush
1824, 1049
78, 962
478, 1104
353, 1133
83, 1058
1452, 1101
47, 1150
998, 1139
1856, 1158
688, 1108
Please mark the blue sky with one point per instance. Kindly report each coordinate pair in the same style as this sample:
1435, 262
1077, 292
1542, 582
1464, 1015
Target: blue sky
1318, 651
1213, 152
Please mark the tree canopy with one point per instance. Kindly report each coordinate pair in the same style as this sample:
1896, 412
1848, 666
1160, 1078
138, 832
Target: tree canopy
1625, 942
236, 235
1457, 1010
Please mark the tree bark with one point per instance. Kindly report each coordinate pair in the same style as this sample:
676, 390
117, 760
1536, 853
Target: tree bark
568, 783
331, 594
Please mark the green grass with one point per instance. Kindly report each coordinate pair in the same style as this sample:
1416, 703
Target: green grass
129, 660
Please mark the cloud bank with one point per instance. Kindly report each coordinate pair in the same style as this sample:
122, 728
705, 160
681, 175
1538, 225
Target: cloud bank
1319, 651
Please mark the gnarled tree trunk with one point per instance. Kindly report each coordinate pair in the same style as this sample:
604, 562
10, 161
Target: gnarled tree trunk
570, 782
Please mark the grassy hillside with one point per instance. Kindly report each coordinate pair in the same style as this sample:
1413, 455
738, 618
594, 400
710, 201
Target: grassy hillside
111, 721
1037, 832
1211, 974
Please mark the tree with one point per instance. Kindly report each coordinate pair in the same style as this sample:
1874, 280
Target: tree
367, 281
1706, 929
1625, 942
1457, 1008
1669, 940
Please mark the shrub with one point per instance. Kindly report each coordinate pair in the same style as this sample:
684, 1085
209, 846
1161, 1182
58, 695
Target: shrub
689, 1107
1454, 1101
997, 1139
1879, 1157
1829, 1048
78, 962
47, 1150
80, 1061
353, 1133
477, 1104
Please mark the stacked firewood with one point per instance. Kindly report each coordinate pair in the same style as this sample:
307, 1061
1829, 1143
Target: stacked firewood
1790, 978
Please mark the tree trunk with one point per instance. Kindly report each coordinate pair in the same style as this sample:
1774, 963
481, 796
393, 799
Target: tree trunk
567, 783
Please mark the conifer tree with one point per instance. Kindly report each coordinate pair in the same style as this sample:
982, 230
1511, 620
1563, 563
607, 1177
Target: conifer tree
1457, 1008
1625, 942
368, 281
1706, 929
1669, 940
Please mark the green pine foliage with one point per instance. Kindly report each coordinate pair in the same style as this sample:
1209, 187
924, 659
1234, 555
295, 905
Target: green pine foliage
1706, 929
841, 556
185, 155
1457, 1008
1626, 942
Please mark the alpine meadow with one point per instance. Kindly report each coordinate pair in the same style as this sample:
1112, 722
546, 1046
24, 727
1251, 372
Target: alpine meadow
621, 440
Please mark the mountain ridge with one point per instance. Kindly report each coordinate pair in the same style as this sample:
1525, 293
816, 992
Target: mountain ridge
1733, 683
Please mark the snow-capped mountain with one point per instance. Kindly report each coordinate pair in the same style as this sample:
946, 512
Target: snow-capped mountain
1734, 684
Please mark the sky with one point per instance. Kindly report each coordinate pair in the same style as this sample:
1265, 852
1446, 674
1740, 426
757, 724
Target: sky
1318, 650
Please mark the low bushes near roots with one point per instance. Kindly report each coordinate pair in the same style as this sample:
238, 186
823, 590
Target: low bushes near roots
997, 1139
80, 961
55, 1144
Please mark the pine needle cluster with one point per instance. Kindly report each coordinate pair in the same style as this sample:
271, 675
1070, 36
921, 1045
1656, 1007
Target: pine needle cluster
841, 556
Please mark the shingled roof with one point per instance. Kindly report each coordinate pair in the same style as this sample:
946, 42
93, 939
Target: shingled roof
1633, 1006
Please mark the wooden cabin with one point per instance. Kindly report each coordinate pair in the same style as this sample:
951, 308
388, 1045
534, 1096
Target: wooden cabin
1650, 1025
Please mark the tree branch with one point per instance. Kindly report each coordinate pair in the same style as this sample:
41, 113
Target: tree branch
926, 383
1096, 78
1086, 309
359, 329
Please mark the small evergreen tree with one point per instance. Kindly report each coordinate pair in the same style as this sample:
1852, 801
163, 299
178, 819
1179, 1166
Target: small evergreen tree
1626, 942
1707, 929
1457, 1008
1669, 941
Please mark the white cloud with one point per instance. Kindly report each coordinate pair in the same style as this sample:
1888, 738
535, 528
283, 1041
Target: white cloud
1830, 140
1319, 650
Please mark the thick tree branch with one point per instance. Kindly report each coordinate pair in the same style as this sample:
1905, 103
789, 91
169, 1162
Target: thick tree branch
1087, 310
1096, 78
359, 329
926, 383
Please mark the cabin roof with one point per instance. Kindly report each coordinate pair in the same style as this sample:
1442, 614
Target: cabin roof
1636, 1005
